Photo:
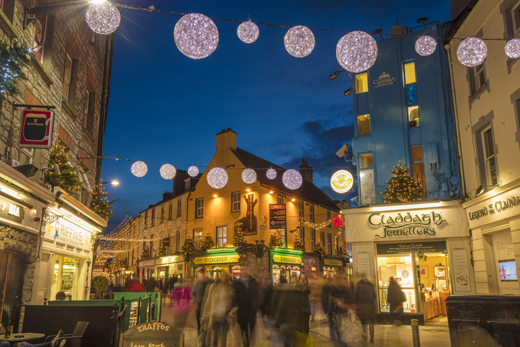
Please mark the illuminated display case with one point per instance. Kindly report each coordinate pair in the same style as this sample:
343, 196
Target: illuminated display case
401, 268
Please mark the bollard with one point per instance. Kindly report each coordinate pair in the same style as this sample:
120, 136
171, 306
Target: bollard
415, 333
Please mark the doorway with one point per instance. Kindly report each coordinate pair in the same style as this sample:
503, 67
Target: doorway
11, 284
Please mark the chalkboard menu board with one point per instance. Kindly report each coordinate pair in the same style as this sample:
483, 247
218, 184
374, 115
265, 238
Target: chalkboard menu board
277, 216
153, 334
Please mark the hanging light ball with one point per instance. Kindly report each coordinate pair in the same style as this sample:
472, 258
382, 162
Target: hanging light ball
249, 176
168, 171
193, 171
217, 178
271, 174
292, 179
139, 169
513, 48
299, 41
356, 51
425, 45
103, 18
472, 52
196, 36
338, 221
248, 32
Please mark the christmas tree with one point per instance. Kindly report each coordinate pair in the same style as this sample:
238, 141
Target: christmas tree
275, 241
188, 246
14, 58
207, 242
342, 251
298, 243
100, 203
162, 251
67, 178
145, 254
402, 187
239, 239
318, 248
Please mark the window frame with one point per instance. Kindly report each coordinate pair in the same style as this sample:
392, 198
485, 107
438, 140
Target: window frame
187, 184
67, 77
170, 211
27, 152
313, 239
279, 199
179, 208
221, 240
329, 243
302, 235
301, 208
322, 239
90, 111
336, 244
366, 119
486, 158
311, 213
515, 13
199, 210
235, 201
162, 214
418, 162
197, 240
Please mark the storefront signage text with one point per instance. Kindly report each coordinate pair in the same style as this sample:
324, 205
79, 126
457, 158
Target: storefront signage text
405, 224
11, 211
172, 259
231, 258
412, 247
277, 258
143, 263
384, 80
277, 216
66, 232
499, 206
332, 262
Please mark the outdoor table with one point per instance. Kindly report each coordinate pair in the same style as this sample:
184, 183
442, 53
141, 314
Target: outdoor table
22, 337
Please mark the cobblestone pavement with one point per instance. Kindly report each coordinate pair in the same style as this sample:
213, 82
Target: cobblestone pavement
433, 334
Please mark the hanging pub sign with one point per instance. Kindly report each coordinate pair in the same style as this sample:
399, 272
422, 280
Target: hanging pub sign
277, 216
36, 129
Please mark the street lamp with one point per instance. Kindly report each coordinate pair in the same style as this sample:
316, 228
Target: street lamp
114, 183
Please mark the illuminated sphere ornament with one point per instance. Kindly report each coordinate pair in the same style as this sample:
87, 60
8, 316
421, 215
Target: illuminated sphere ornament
196, 36
217, 178
299, 41
292, 179
425, 45
248, 32
338, 222
513, 48
472, 52
103, 18
139, 169
193, 171
271, 174
342, 181
249, 176
168, 171
356, 51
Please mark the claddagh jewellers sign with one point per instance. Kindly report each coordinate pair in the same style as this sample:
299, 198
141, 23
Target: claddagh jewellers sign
411, 224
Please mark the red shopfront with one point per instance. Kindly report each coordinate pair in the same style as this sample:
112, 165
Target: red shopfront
146, 269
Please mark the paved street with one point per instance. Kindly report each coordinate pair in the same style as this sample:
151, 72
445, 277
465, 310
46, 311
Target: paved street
435, 333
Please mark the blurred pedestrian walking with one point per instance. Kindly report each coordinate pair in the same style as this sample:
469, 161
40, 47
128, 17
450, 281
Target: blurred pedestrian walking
340, 301
198, 293
365, 297
246, 299
303, 290
396, 298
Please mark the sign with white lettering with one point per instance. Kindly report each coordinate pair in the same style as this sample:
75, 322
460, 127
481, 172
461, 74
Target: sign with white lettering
411, 247
288, 259
332, 262
502, 206
218, 259
171, 259
11, 210
277, 216
143, 263
153, 334
64, 231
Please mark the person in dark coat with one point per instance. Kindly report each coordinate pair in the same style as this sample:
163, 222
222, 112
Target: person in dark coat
246, 299
396, 299
341, 299
303, 289
198, 293
364, 298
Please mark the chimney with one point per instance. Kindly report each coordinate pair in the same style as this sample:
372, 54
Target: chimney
178, 181
167, 195
306, 170
398, 30
226, 139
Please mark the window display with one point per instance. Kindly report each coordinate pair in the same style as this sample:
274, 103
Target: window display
291, 273
401, 268
65, 277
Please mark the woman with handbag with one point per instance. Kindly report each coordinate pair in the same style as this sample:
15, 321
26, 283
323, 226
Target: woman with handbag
396, 298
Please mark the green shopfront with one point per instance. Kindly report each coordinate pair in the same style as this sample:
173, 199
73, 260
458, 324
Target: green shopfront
216, 262
425, 247
285, 263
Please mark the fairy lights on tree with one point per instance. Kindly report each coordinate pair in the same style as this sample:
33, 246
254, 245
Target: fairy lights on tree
275, 241
206, 242
239, 239
100, 203
402, 187
14, 58
319, 249
188, 246
67, 178
298, 243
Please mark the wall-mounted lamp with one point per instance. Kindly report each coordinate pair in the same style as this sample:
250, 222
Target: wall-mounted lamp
248, 190
215, 195
271, 192
348, 91
293, 199
335, 74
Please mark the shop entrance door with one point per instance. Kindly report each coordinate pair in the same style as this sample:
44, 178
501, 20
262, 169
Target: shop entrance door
65, 277
11, 284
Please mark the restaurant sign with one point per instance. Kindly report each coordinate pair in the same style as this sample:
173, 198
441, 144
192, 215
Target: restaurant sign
411, 247
69, 233
287, 259
217, 259
503, 206
409, 224
332, 262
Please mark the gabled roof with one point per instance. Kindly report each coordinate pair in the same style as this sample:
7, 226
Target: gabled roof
308, 191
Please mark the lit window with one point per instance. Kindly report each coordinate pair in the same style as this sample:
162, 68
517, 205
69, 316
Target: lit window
221, 236
362, 83
364, 124
235, 202
197, 237
413, 116
409, 73
366, 161
489, 157
418, 166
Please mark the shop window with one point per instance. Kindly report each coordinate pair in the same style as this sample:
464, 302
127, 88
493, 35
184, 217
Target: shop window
401, 269
179, 208
302, 235
11, 284
313, 239
364, 124
235, 202
477, 78
221, 236
65, 277
329, 243
199, 208
197, 237
409, 73
366, 161
279, 199
311, 213
413, 116
418, 166
361, 83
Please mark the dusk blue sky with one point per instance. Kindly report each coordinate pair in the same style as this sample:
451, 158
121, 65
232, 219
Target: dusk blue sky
167, 108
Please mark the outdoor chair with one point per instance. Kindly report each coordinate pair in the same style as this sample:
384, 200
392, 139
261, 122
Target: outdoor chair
74, 339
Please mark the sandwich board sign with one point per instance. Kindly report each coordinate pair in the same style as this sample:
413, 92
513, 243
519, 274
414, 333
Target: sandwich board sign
153, 334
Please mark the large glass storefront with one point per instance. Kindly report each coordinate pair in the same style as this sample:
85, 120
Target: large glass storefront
421, 270
65, 277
